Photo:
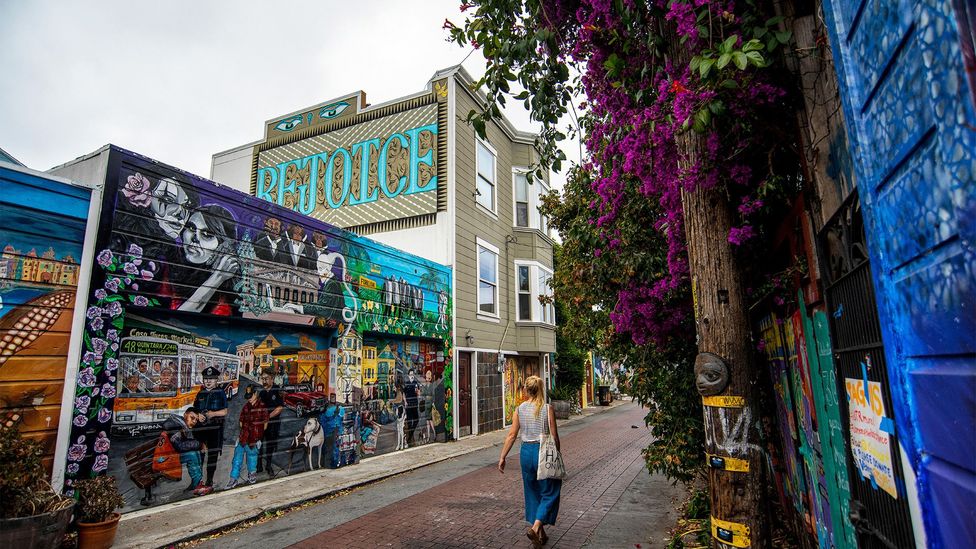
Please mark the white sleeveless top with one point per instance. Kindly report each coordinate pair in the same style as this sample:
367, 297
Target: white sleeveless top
530, 426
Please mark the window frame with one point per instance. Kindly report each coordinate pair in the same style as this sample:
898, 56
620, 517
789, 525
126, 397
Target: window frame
479, 243
493, 210
543, 315
533, 191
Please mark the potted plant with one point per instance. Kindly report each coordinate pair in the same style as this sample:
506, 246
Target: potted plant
98, 498
32, 514
560, 398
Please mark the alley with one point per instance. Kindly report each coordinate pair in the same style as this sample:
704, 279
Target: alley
608, 500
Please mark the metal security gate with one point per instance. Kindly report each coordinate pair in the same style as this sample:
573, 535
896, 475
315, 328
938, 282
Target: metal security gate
879, 506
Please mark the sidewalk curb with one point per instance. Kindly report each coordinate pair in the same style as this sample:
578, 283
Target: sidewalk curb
167, 525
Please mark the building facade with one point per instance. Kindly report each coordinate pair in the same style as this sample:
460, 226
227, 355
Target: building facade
412, 174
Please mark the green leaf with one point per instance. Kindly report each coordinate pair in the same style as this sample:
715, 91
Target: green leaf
771, 43
756, 59
772, 22
783, 36
695, 63
705, 67
729, 43
740, 59
479, 126
730, 84
752, 45
723, 60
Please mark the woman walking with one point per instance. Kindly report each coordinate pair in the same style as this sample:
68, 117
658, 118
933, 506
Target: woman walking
541, 496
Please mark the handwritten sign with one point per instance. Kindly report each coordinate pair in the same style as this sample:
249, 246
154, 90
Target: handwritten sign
870, 444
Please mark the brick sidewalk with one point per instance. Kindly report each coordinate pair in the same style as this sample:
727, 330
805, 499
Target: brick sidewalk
485, 509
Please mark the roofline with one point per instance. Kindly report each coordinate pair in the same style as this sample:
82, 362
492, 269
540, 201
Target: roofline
12, 159
37, 173
463, 76
238, 148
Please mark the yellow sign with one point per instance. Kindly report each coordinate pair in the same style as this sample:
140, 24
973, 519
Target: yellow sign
731, 533
724, 401
725, 463
367, 283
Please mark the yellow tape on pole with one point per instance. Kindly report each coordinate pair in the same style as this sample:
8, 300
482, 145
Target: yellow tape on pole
730, 533
727, 463
724, 401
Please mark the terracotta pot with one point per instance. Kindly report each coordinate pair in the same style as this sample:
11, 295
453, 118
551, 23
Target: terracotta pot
98, 535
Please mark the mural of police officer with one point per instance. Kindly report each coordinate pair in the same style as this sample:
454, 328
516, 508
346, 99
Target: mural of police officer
212, 403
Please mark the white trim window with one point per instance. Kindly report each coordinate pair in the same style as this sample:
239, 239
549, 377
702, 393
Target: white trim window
487, 279
527, 201
533, 280
485, 184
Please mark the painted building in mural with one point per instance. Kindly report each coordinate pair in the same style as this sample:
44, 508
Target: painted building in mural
410, 174
210, 307
42, 237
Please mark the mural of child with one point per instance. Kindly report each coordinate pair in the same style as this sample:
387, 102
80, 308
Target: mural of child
179, 429
253, 421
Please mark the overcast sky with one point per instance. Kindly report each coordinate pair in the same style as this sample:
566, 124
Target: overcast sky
180, 80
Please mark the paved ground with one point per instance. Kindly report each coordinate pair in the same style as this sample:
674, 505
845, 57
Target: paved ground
608, 500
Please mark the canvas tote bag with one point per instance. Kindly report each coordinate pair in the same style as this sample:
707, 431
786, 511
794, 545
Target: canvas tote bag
550, 462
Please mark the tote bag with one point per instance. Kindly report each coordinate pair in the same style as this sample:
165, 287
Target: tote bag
550, 462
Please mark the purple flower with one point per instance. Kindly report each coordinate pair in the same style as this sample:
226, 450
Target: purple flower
86, 377
104, 415
140, 301
96, 324
82, 403
108, 391
94, 312
77, 451
137, 189
111, 364
131, 269
101, 463
114, 346
99, 345
89, 358
105, 258
80, 420
112, 285
152, 266
739, 235
101, 443
146, 275
135, 285
72, 468
112, 335
114, 309
135, 251
95, 392
100, 294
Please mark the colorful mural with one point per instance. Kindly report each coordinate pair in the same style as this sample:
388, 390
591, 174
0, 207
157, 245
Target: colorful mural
517, 370
224, 331
39, 270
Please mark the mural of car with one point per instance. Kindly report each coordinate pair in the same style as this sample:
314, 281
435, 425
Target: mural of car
306, 402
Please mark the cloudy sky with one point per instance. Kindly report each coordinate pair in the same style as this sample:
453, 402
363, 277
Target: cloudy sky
180, 80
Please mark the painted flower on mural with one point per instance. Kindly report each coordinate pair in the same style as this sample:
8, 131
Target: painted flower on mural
86, 377
137, 189
100, 294
104, 415
114, 309
112, 335
101, 463
111, 364
112, 285
80, 420
94, 312
130, 268
72, 469
77, 450
82, 403
105, 258
96, 324
99, 345
135, 251
108, 391
140, 301
145, 275
101, 443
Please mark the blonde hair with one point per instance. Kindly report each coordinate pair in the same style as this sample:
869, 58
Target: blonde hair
533, 388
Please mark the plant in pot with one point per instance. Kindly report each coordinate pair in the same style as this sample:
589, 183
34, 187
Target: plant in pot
32, 514
98, 498
561, 400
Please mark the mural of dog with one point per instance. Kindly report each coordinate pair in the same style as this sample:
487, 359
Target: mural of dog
401, 419
309, 437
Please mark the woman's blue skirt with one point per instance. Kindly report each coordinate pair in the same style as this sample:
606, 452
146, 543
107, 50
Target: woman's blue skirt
541, 496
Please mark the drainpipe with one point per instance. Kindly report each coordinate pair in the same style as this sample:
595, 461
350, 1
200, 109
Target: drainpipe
509, 239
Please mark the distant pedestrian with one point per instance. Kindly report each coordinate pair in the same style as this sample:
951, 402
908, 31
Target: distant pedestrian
541, 496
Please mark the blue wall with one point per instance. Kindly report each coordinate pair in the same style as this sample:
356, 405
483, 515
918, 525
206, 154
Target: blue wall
904, 88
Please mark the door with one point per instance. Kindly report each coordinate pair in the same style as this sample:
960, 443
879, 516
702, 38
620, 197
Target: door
464, 393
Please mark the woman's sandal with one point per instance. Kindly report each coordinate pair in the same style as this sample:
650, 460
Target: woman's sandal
545, 538
534, 538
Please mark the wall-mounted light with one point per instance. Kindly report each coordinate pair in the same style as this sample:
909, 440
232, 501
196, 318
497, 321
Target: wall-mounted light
468, 338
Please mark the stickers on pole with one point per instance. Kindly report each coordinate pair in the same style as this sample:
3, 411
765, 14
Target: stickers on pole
724, 401
730, 533
725, 463
871, 434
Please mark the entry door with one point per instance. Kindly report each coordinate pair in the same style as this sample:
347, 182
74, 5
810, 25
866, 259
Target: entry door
464, 393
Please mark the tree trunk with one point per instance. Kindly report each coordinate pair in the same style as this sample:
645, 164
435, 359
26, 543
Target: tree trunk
735, 458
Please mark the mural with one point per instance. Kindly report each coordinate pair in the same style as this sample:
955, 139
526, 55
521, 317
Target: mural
39, 270
229, 341
517, 370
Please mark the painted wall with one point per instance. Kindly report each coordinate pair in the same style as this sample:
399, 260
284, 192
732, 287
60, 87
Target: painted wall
911, 127
41, 237
348, 338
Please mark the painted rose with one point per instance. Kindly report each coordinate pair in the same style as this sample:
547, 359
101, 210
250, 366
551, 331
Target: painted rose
135, 285
130, 268
72, 469
94, 312
140, 301
105, 258
135, 250
138, 190
104, 415
114, 346
96, 324
80, 420
100, 294
146, 275
101, 443
108, 391
112, 335
101, 463
77, 451
114, 309
86, 377
82, 403
99, 345
111, 364
112, 285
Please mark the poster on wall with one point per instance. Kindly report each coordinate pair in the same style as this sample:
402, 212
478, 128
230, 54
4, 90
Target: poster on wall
870, 441
248, 342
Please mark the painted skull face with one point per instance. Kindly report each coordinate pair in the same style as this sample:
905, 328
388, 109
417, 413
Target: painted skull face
169, 206
711, 374
199, 241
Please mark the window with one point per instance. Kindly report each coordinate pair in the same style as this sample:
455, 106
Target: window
527, 202
487, 279
533, 281
486, 176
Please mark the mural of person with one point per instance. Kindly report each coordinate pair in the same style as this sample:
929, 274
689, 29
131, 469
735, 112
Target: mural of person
179, 429
212, 403
270, 245
203, 279
427, 401
442, 308
411, 397
297, 253
170, 206
167, 379
154, 215
330, 300
253, 421
440, 407
145, 381
273, 401
331, 422
131, 385
318, 247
